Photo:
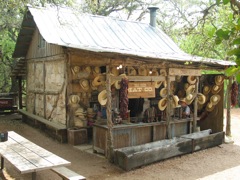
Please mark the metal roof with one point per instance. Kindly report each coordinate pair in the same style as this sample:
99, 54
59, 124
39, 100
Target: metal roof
66, 27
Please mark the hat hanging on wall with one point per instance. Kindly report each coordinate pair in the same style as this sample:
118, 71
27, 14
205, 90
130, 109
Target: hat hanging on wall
219, 79
96, 70
209, 107
87, 69
216, 89
117, 84
163, 92
84, 84
154, 72
175, 101
201, 98
98, 80
163, 72
158, 84
132, 71
206, 89
189, 98
162, 104
74, 99
190, 89
102, 97
215, 99
142, 71
191, 79
114, 71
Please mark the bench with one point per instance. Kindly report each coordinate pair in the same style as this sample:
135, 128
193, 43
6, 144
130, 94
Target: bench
60, 129
66, 173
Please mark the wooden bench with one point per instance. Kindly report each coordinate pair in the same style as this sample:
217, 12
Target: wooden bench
66, 173
60, 129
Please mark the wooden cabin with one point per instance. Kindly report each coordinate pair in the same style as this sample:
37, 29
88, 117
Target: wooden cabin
120, 81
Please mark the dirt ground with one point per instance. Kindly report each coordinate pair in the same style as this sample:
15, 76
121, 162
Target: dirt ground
221, 162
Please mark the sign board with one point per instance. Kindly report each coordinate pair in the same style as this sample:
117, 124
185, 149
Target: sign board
184, 72
141, 90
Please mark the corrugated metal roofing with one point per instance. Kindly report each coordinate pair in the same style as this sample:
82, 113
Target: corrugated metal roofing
69, 28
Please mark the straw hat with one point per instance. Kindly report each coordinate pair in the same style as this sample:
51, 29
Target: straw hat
158, 84
96, 70
215, 99
163, 72
74, 99
84, 84
191, 79
162, 104
219, 80
209, 107
87, 69
102, 97
190, 89
206, 89
142, 71
75, 69
178, 78
154, 72
98, 80
117, 85
132, 71
182, 100
216, 89
163, 92
189, 98
175, 101
201, 98
114, 71
92, 86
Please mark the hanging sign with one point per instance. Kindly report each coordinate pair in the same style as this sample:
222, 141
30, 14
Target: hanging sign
141, 90
184, 72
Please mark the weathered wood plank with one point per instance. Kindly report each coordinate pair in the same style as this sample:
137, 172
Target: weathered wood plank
67, 173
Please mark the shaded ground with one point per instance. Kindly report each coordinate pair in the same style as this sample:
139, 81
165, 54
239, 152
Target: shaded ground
221, 162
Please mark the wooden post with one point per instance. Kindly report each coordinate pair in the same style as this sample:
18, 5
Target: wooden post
228, 123
168, 115
20, 92
109, 118
195, 106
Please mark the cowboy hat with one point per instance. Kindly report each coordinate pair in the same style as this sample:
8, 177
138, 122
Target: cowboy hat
158, 84
191, 79
117, 85
142, 71
163, 92
209, 107
216, 89
114, 71
98, 80
96, 70
189, 98
84, 84
219, 80
163, 72
182, 100
175, 101
178, 78
154, 72
102, 97
215, 99
92, 86
190, 89
206, 89
74, 99
162, 104
132, 71
87, 69
201, 98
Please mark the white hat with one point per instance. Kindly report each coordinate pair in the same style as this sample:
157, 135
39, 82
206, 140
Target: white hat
117, 84
201, 98
163, 92
102, 97
162, 104
158, 84
189, 98
175, 101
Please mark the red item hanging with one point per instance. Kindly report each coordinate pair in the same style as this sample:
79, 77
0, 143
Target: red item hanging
234, 94
124, 98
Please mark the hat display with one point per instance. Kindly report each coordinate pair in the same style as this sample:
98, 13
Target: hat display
117, 84
201, 98
219, 80
163, 72
206, 89
215, 99
142, 71
80, 113
189, 98
158, 84
175, 101
132, 71
163, 92
209, 107
84, 84
102, 97
216, 89
190, 89
162, 104
191, 79
114, 71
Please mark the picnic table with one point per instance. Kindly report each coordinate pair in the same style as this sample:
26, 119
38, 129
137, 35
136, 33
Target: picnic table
28, 157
